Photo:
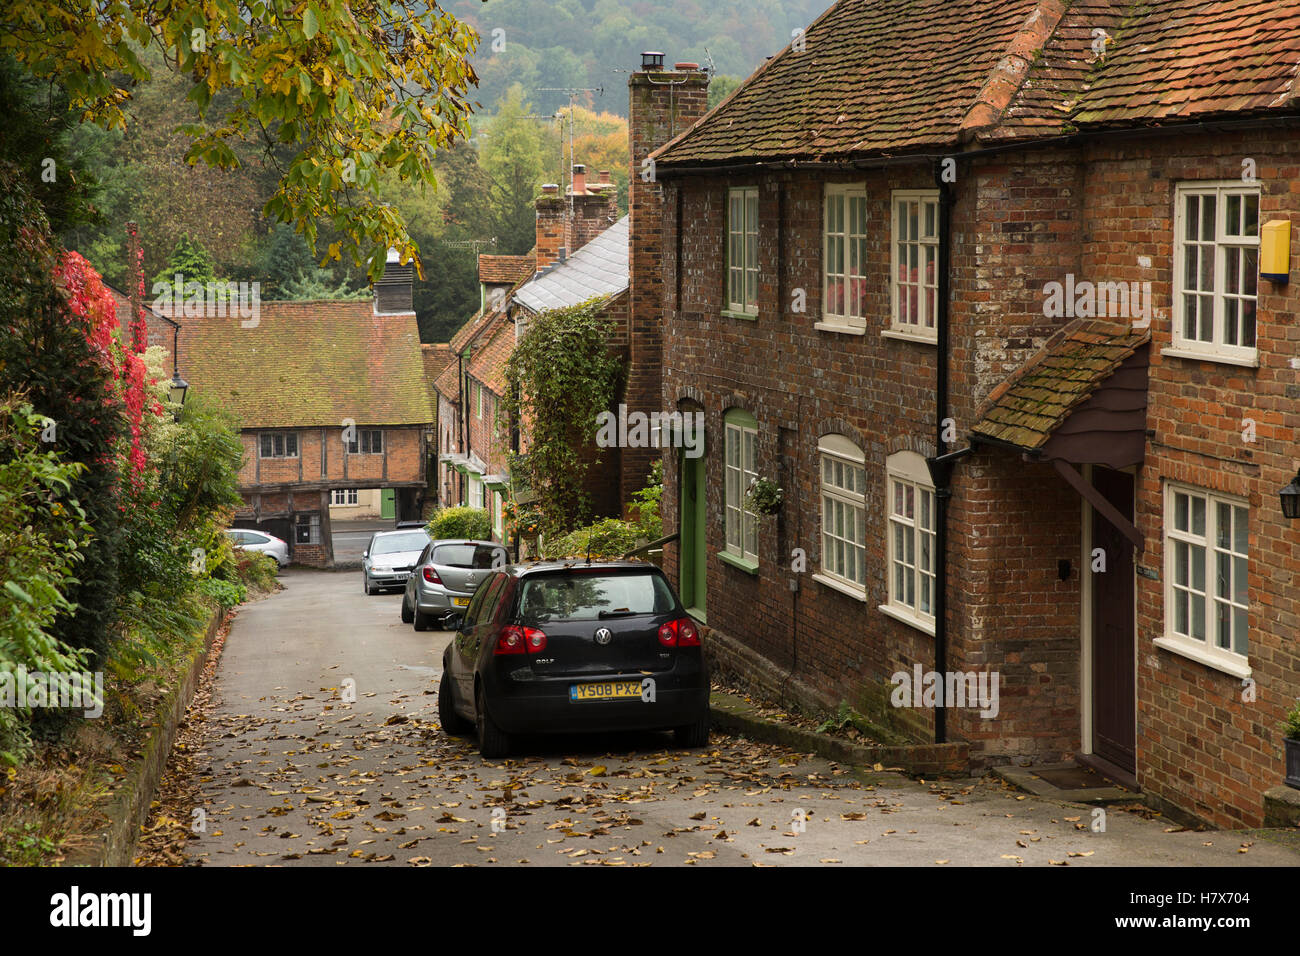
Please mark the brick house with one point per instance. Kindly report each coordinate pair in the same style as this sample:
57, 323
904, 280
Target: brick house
471, 449
582, 251
331, 396
981, 291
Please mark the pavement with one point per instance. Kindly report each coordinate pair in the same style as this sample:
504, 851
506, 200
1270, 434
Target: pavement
321, 746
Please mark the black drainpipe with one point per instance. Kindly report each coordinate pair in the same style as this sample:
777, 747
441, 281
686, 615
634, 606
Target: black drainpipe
941, 465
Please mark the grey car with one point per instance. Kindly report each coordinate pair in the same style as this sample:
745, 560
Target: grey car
445, 577
389, 558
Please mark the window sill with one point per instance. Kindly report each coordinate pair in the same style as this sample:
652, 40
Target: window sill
744, 564
902, 336
856, 593
1236, 666
698, 614
842, 329
1178, 353
747, 316
898, 614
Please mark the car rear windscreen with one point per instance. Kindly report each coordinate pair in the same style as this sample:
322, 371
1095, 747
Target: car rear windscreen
588, 597
393, 543
469, 556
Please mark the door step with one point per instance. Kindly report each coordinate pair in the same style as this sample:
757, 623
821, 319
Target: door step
1070, 782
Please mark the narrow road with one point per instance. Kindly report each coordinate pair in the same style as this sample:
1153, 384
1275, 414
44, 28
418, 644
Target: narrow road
290, 772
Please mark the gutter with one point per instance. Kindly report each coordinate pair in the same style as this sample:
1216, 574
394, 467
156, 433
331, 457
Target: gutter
663, 171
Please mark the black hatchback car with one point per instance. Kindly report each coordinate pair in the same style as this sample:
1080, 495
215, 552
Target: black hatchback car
574, 647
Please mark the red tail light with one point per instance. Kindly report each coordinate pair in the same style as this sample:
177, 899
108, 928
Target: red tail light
688, 635
520, 640
431, 576
679, 633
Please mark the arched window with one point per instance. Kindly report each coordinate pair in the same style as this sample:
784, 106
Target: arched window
844, 510
911, 539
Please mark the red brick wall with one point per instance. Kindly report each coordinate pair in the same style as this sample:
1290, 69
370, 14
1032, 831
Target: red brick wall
593, 213
1200, 744
1020, 221
402, 461
488, 438
552, 227
800, 383
662, 105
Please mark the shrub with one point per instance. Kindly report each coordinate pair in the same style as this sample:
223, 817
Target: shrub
646, 502
57, 346
223, 592
256, 571
1291, 726
41, 542
461, 522
608, 538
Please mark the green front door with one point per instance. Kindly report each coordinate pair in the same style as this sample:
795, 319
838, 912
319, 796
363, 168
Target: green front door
692, 545
388, 503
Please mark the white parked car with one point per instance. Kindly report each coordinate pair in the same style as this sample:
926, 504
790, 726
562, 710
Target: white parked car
250, 540
387, 561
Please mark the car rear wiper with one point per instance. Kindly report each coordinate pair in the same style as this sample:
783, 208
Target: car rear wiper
620, 612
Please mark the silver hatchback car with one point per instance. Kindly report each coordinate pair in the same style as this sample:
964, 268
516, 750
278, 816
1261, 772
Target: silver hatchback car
444, 578
387, 561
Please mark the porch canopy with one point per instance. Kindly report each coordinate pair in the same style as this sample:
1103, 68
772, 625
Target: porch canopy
1081, 400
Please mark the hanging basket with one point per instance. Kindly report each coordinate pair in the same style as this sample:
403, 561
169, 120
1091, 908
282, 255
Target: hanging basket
764, 496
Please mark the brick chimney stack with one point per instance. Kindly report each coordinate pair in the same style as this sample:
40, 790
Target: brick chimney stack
594, 208
664, 103
552, 225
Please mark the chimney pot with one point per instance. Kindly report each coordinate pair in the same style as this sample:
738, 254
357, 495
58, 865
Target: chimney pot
652, 60
550, 189
686, 66
579, 179
604, 176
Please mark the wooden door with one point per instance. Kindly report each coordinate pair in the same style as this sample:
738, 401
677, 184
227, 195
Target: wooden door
691, 544
1113, 677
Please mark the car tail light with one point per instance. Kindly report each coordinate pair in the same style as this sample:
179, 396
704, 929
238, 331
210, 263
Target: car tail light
431, 576
688, 635
520, 640
679, 633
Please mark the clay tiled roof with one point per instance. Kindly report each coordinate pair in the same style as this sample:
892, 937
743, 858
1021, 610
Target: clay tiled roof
310, 364
465, 334
1027, 409
878, 76
159, 326
1177, 61
505, 270
447, 384
436, 358
489, 364
874, 76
